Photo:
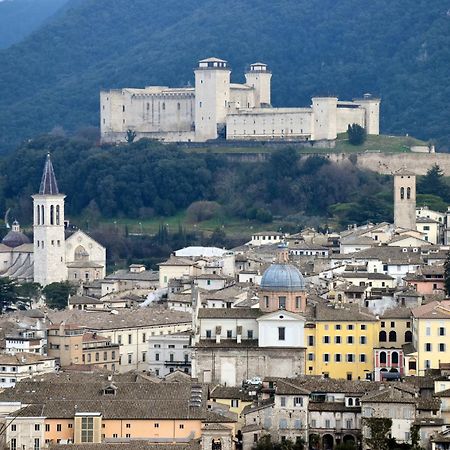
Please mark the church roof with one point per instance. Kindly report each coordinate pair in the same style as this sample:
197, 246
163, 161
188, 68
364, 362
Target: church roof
49, 186
14, 239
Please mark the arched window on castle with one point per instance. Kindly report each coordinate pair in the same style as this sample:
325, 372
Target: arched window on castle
402, 193
58, 220
38, 215
52, 215
408, 193
42, 215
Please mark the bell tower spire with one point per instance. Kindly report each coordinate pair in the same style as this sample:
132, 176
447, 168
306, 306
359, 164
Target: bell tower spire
49, 240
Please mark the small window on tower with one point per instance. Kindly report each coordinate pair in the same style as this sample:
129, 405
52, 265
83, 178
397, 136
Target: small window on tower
163, 106
402, 193
408, 193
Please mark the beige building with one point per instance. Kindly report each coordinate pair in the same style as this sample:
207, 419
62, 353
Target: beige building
127, 328
216, 107
73, 345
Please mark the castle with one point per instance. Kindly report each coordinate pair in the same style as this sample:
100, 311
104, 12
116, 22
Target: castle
216, 108
51, 257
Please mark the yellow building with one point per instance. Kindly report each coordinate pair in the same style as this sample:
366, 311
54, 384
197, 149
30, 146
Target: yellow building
340, 340
234, 399
431, 343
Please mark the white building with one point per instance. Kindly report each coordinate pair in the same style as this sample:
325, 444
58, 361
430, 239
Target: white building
169, 353
216, 107
14, 368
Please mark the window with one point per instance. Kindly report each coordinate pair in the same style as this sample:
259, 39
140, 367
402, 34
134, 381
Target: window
394, 357
441, 331
281, 333
349, 424
428, 331
128, 425
326, 357
129, 339
282, 302
156, 356
392, 336
208, 334
349, 339
428, 347
14, 427
350, 357
266, 301
249, 334
326, 339
402, 193
181, 426
382, 336
350, 327
13, 444
119, 339
37, 427
442, 347
130, 358
156, 425
363, 327
298, 401
362, 358
327, 423
144, 356
282, 401
383, 357
363, 340
97, 356
229, 334
297, 302
337, 339
87, 429
310, 341
337, 357
310, 356
144, 337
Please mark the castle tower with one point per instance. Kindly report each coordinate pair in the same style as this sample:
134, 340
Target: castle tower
324, 118
405, 199
371, 106
212, 97
259, 78
49, 240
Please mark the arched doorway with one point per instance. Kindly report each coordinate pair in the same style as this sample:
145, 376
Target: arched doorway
216, 444
327, 442
350, 441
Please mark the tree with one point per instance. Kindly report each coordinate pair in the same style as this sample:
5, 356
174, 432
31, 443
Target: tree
447, 274
433, 183
356, 134
131, 136
8, 293
378, 431
57, 294
265, 443
28, 292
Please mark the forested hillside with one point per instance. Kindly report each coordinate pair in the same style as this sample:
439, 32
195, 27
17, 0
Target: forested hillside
398, 50
18, 18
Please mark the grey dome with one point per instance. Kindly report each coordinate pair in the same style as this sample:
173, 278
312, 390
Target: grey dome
14, 239
282, 277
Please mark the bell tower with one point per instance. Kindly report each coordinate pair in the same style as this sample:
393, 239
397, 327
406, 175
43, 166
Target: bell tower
405, 199
48, 227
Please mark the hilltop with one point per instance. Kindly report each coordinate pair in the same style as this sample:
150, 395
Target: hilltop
399, 51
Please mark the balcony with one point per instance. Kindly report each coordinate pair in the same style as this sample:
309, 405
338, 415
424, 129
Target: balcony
181, 363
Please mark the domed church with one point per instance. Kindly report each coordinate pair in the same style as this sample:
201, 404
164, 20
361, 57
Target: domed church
282, 287
51, 257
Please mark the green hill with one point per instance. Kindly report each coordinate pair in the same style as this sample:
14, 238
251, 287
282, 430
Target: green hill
18, 18
398, 50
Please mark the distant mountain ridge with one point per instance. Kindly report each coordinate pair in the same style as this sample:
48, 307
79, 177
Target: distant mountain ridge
398, 51
19, 18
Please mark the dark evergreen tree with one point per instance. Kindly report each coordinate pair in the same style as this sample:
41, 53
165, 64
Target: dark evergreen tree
356, 134
8, 293
57, 294
433, 183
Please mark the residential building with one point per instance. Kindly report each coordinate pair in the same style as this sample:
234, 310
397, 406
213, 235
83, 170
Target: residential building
15, 368
168, 353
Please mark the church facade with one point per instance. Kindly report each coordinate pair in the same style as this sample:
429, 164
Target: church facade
217, 108
51, 257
